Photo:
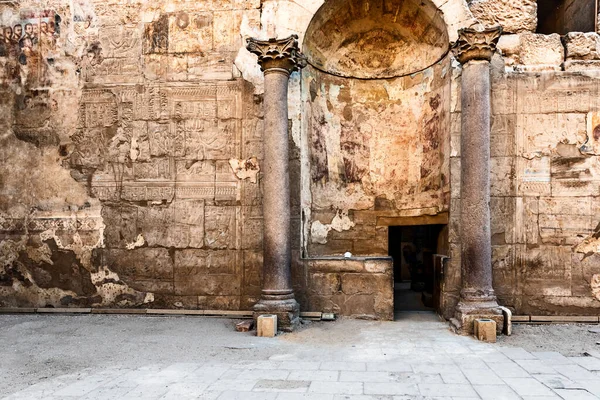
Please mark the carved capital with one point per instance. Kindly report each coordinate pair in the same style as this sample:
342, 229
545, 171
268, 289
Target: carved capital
476, 45
280, 54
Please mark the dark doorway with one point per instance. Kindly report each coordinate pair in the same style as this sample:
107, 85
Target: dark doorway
414, 250
563, 16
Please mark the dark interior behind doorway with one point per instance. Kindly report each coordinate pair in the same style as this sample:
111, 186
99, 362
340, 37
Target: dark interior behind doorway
413, 249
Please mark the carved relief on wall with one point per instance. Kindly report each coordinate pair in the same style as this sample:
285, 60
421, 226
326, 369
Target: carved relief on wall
156, 144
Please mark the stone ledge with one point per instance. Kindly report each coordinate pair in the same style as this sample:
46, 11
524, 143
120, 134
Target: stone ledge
315, 315
349, 264
566, 318
541, 319
63, 310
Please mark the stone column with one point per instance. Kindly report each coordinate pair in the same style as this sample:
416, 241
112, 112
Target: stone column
277, 59
474, 50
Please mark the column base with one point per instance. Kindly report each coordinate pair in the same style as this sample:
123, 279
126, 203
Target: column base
287, 311
467, 311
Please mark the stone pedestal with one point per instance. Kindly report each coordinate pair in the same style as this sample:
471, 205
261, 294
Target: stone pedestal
477, 300
278, 59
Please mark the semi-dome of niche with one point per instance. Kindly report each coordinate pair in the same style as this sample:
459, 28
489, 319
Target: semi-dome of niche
376, 38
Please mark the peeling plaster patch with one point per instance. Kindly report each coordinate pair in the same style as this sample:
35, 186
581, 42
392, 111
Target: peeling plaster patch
319, 232
595, 284
83, 251
139, 242
110, 287
341, 222
245, 169
591, 244
352, 196
149, 298
247, 64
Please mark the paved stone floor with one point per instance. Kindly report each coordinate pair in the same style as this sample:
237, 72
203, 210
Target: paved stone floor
127, 357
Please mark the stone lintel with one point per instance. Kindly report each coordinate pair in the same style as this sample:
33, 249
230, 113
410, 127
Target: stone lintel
277, 54
476, 45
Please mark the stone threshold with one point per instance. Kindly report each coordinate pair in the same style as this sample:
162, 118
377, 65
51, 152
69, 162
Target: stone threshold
555, 319
146, 311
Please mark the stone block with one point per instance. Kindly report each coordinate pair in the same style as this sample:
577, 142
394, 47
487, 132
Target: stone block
502, 176
541, 52
582, 46
546, 270
503, 135
509, 46
245, 326
266, 326
139, 264
324, 284
331, 248
357, 284
513, 15
380, 266
220, 227
219, 302
357, 306
485, 330
504, 270
370, 247
582, 65
336, 265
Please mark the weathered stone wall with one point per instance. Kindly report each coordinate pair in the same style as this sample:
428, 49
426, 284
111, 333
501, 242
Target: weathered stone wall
130, 153
130, 165
545, 187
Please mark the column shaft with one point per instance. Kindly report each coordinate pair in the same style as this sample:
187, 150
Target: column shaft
276, 188
475, 180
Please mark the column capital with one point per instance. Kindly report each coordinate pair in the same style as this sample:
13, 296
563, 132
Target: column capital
277, 54
476, 45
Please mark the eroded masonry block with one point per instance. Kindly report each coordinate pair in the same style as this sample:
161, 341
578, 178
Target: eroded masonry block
532, 51
266, 325
582, 51
583, 46
485, 330
513, 15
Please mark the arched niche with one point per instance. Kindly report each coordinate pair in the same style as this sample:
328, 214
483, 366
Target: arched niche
281, 18
376, 39
375, 122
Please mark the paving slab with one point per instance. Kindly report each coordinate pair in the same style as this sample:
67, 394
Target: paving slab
557, 381
391, 388
496, 392
589, 363
482, 377
508, 370
336, 387
536, 366
453, 390
575, 372
575, 394
528, 387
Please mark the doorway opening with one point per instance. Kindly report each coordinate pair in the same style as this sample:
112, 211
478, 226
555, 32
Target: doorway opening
564, 16
414, 250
